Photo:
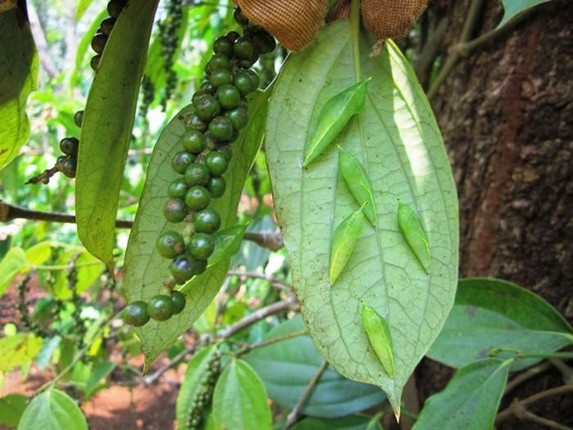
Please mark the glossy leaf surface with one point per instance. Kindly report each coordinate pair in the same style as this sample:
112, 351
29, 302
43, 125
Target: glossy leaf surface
146, 269
399, 144
107, 127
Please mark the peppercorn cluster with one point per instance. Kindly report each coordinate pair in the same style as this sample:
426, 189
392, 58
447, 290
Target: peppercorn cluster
217, 114
169, 39
200, 404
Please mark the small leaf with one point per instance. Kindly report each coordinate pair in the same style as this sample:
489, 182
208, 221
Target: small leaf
11, 409
99, 372
333, 396
513, 8
107, 127
490, 314
358, 183
344, 241
470, 400
333, 118
227, 243
13, 262
195, 375
53, 410
414, 234
18, 77
379, 337
240, 399
39, 253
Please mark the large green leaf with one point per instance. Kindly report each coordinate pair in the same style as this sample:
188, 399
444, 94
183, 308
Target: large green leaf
490, 314
287, 368
240, 400
513, 8
470, 401
53, 410
145, 269
107, 125
397, 140
18, 76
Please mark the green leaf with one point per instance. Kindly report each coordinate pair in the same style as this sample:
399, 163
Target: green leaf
346, 423
298, 361
100, 371
334, 117
18, 350
410, 225
18, 77
513, 8
13, 262
490, 314
358, 183
399, 143
11, 409
195, 375
470, 400
83, 5
107, 125
145, 269
240, 399
344, 240
39, 253
53, 410
378, 333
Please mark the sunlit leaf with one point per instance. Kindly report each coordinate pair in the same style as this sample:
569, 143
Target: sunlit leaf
13, 262
18, 76
399, 144
513, 8
53, 409
18, 350
146, 270
107, 127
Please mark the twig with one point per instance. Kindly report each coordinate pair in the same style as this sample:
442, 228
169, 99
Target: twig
525, 376
565, 370
248, 348
275, 308
272, 240
531, 400
151, 379
282, 285
293, 415
524, 414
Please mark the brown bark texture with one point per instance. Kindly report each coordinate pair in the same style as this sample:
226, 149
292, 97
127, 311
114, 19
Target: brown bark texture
506, 113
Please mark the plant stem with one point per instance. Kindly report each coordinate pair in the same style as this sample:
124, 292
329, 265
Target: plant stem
271, 341
531, 400
355, 35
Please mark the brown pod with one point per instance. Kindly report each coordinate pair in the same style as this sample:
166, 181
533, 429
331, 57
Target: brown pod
294, 23
391, 18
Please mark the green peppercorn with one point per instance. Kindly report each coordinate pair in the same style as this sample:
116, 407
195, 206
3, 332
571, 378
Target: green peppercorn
240, 18
220, 128
160, 307
194, 141
79, 118
181, 160
244, 83
107, 25
262, 41
177, 189
135, 314
207, 221
193, 122
184, 267
201, 246
233, 35
94, 62
207, 107
217, 61
98, 42
243, 49
196, 174
197, 198
254, 78
223, 45
114, 7
221, 77
175, 210
217, 163
69, 146
170, 244
228, 96
216, 186
239, 117
178, 300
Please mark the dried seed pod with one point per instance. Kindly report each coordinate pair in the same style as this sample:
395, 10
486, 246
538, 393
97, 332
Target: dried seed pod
294, 23
391, 18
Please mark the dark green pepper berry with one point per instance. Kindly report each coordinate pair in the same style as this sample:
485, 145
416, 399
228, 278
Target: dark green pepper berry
193, 122
197, 198
216, 186
220, 128
196, 174
175, 210
228, 96
179, 301
98, 42
69, 146
244, 83
177, 189
181, 160
114, 7
184, 267
194, 141
170, 244
107, 25
233, 35
160, 307
135, 314
94, 62
207, 221
217, 61
79, 118
201, 246
262, 41
243, 49
217, 163
221, 77
223, 45
206, 107
240, 18
239, 117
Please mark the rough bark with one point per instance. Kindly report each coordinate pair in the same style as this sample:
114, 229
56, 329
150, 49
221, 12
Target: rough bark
506, 113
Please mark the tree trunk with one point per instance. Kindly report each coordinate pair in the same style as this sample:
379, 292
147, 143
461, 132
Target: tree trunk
506, 113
